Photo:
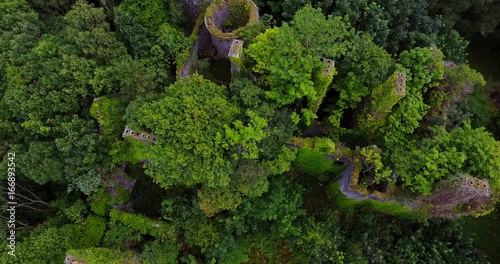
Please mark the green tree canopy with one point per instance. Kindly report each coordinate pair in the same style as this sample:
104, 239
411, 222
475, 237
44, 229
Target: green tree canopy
188, 120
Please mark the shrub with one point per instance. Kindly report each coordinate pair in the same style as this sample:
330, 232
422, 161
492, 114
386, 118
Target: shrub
93, 230
312, 162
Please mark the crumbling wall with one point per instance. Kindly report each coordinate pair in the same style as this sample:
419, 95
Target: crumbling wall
192, 9
461, 195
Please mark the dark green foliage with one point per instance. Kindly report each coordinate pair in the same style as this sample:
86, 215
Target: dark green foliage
387, 240
366, 16
118, 236
478, 107
93, 230
157, 252
231, 178
322, 240
44, 245
453, 47
100, 202
103, 255
281, 206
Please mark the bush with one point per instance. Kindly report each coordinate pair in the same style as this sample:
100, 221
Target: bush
100, 203
93, 230
312, 162
142, 224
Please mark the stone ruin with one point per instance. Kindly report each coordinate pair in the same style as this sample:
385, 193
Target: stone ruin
400, 84
329, 63
139, 135
217, 14
350, 182
214, 40
69, 260
460, 195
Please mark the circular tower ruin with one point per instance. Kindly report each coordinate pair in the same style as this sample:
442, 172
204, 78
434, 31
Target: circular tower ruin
223, 19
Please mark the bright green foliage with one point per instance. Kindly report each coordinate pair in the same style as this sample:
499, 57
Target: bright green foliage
324, 145
157, 252
383, 99
311, 157
280, 56
425, 68
350, 206
189, 123
95, 255
372, 157
282, 162
420, 169
287, 56
468, 150
143, 224
108, 112
321, 84
214, 200
308, 116
93, 230
482, 150
405, 119
246, 137
312, 162
224, 155
364, 67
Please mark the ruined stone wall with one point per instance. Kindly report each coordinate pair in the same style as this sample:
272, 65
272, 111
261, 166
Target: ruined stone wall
223, 45
191, 9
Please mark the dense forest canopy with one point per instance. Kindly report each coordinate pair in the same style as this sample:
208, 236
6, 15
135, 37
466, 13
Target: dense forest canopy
309, 132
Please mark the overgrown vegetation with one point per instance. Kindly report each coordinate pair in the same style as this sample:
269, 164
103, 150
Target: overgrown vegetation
331, 143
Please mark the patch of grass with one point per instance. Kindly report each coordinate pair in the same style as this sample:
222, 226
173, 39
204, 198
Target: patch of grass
312, 162
350, 206
484, 232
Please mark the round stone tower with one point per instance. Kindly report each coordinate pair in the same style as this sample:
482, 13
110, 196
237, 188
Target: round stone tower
224, 18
